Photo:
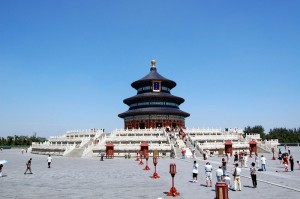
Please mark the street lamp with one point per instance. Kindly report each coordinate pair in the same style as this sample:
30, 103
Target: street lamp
141, 157
155, 175
173, 192
147, 167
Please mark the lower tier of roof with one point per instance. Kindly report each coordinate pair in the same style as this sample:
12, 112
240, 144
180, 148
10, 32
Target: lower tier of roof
154, 110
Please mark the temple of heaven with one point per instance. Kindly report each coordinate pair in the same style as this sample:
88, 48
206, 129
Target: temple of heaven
153, 106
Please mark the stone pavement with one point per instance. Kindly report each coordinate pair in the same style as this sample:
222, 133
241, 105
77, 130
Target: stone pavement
124, 178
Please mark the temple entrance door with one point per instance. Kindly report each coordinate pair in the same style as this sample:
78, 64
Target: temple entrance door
142, 126
158, 125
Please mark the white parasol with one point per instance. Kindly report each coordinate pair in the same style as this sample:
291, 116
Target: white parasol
3, 161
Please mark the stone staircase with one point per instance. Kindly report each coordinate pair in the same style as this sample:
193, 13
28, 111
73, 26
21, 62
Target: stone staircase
186, 148
190, 146
78, 152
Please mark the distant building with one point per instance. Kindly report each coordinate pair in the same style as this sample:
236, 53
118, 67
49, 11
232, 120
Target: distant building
153, 106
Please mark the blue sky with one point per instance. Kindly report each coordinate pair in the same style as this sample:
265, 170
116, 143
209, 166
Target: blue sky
69, 64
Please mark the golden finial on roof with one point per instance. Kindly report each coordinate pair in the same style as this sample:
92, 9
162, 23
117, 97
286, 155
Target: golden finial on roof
153, 62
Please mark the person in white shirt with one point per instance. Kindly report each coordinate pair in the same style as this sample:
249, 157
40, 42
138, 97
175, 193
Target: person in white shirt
263, 163
49, 160
219, 174
195, 171
208, 169
237, 178
227, 181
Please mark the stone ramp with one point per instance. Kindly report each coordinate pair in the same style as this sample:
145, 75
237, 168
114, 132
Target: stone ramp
78, 152
75, 153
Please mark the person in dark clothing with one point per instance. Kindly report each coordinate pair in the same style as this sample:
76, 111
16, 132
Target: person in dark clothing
253, 175
292, 162
224, 166
28, 166
236, 156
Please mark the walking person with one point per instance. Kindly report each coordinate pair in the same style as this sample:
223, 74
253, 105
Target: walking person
195, 172
224, 166
102, 154
253, 175
183, 153
193, 153
208, 169
292, 162
289, 151
28, 166
237, 178
49, 160
228, 157
263, 163
256, 160
236, 156
219, 174
1, 166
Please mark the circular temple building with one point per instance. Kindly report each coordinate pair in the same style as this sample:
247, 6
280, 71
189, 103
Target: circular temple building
153, 106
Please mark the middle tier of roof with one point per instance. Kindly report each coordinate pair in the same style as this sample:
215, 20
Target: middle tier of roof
151, 96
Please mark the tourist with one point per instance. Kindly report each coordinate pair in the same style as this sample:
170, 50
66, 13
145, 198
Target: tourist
289, 151
235, 157
245, 160
237, 179
228, 157
208, 169
279, 153
22, 151
204, 156
28, 166
183, 153
219, 174
263, 163
102, 154
49, 160
256, 160
193, 153
242, 160
227, 181
224, 166
1, 166
253, 175
172, 154
292, 163
207, 153
298, 162
286, 163
195, 171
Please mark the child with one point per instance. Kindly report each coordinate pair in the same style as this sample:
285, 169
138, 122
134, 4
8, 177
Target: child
1, 166
286, 168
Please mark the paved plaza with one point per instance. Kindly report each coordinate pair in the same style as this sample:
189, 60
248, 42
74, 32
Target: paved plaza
125, 178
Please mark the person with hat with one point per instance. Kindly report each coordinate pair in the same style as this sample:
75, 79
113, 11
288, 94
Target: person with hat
208, 169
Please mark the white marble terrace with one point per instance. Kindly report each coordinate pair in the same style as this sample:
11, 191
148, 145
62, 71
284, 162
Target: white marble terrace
91, 142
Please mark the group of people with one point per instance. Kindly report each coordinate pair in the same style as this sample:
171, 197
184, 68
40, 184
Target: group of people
28, 164
222, 175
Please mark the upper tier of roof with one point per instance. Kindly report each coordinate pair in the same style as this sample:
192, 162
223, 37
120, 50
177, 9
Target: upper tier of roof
153, 75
